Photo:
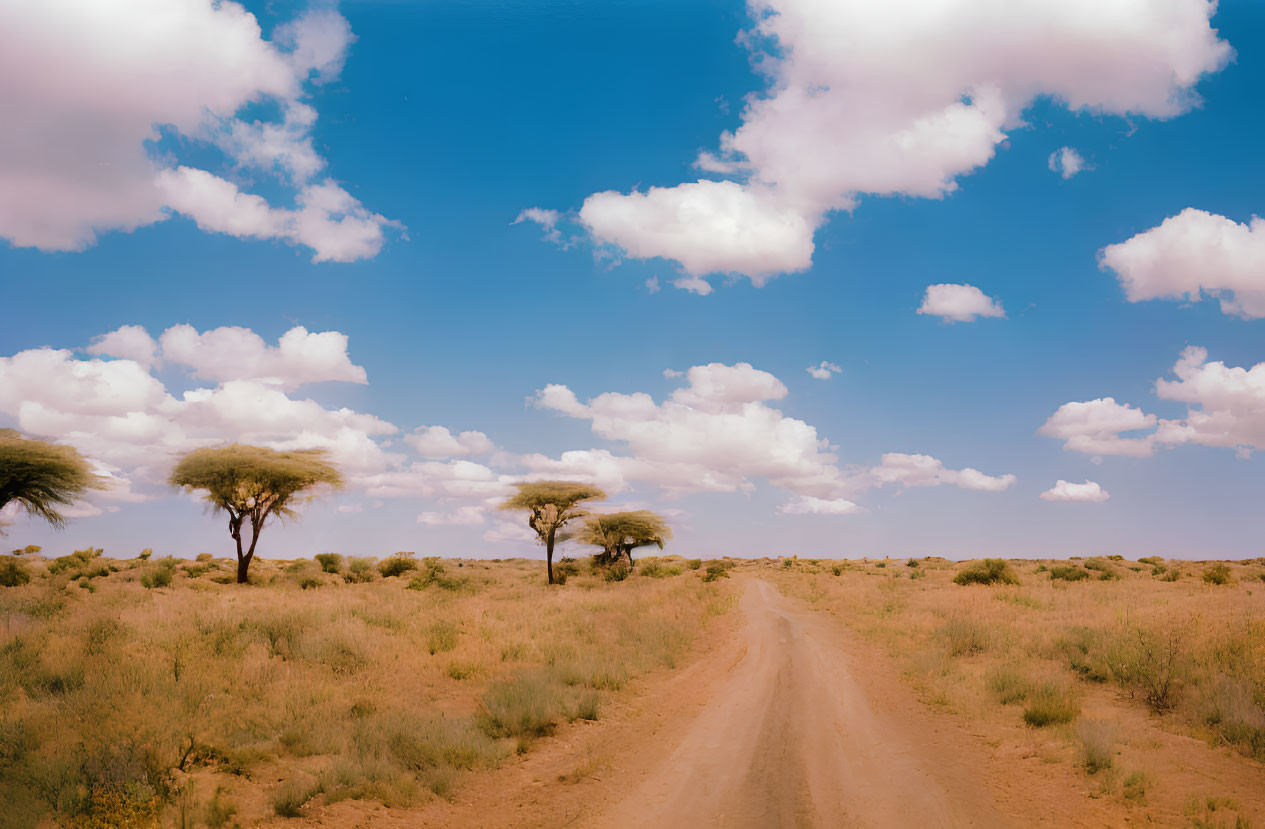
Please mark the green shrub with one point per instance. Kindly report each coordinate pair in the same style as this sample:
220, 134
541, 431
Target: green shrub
434, 573
1115, 558
1152, 560
204, 557
987, 571
837, 569
330, 562
657, 570
1050, 704
310, 583
1066, 572
911, 563
965, 636
1153, 665
715, 571
617, 571
1218, 574
694, 563
1086, 654
359, 571
13, 573
28, 550
159, 574
1105, 571
145, 554
397, 565
1009, 684
1171, 575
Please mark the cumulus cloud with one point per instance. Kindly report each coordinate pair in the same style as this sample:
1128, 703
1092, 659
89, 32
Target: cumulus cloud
924, 470
1192, 254
1095, 428
1067, 491
823, 370
131, 342
959, 303
718, 434
438, 443
132, 427
92, 84
234, 353
1225, 408
693, 284
848, 112
1067, 162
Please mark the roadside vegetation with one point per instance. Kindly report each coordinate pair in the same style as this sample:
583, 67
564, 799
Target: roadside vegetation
1071, 660
158, 688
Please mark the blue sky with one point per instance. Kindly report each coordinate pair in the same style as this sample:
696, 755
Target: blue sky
439, 122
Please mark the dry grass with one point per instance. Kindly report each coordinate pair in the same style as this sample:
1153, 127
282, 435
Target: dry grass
161, 692
1159, 637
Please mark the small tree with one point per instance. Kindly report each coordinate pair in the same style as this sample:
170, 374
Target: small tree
550, 505
42, 476
619, 533
252, 484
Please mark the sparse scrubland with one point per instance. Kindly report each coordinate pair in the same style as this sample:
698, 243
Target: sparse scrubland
144, 691
1075, 661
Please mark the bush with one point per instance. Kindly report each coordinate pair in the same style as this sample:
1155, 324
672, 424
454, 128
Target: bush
205, 557
28, 550
656, 570
715, 571
397, 565
1152, 665
1218, 574
159, 575
617, 571
1009, 685
526, 706
1152, 560
1171, 575
1050, 704
310, 583
911, 563
145, 554
987, 571
359, 571
1065, 572
1105, 571
433, 572
330, 562
694, 563
965, 636
289, 799
13, 573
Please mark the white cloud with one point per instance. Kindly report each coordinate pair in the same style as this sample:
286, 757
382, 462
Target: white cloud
847, 112
652, 285
1192, 254
547, 219
1094, 427
350, 508
436, 442
693, 284
505, 530
85, 86
131, 342
924, 470
1067, 162
805, 505
1225, 408
823, 370
1066, 491
234, 353
959, 303
715, 434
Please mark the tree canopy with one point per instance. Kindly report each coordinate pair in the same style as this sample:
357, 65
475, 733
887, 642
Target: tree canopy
42, 476
619, 533
253, 484
550, 505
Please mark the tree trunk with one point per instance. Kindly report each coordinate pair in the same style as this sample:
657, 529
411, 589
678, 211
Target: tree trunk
236, 529
549, 554
243, 561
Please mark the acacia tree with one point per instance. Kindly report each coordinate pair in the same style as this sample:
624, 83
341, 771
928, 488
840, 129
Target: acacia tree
42, 476
550, 505
252, 484
619, 533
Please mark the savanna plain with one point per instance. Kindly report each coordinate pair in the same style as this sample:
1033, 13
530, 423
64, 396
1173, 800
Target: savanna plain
410, 691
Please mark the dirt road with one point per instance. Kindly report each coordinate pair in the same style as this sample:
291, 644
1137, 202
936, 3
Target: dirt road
789, 738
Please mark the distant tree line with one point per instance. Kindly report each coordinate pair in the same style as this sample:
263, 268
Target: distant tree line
253, 485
